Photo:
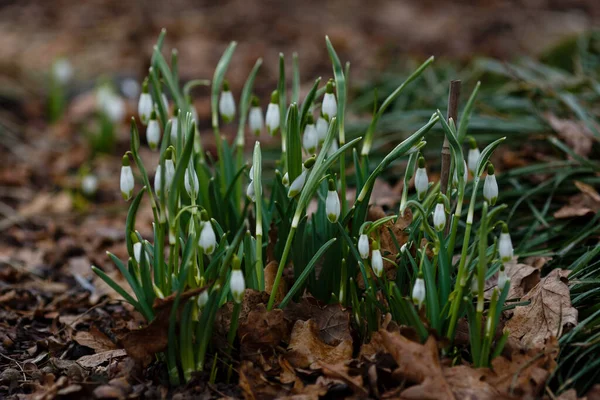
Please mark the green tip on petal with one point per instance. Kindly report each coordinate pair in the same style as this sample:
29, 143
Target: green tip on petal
490, 169
310, 162
329, 88
472, 142
331, 185
225, 85
275, 97
421, 162
125, 161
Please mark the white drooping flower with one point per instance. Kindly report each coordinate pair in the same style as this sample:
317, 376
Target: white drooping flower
502, 278
62, 70
421, 179
255, 117
363, 246
310, 140
272, 118
505, 247
191, 183
490, 186
145, 104
174, 125
322, 128
153, 131
473, 156
298, 184
332, 203
418, 292
89, 185
226, 103
127, 182
329, 107
439, 216
207, 241
376, 260
237, 285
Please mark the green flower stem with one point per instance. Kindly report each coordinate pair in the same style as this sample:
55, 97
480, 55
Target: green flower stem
284, 256
460, 285
235, 317
343, 282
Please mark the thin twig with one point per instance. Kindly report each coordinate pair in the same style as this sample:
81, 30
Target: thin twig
453, 97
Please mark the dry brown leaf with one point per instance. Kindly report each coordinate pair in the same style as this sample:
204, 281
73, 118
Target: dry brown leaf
256, 386
340, 371
586, 202
575, 134
332, 320
270, 274
306, 347
548, 314
262, 331
523, 278
419, 364
100, 358
94, 339
469, 383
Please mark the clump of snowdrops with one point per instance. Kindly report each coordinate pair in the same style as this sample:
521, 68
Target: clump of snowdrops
213, 215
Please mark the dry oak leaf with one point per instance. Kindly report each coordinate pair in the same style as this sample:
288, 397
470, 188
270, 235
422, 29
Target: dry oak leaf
333, 321
306, 347
548, 314
419, 364
470, 383
94, 339
586, 202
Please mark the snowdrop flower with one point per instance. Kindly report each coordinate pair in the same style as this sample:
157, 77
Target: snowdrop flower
298, 184
418, 292
439, 216
286, 180
322, 128
329, 107
505, 247
333, 148
250, 192
127, 181
474, 285
226, 103
237, 285
207, 241
332, 203
137, 251
376, 260
153, 131
203, 298
310, 138
158, 180
465, 174
421, 179
490, 186
62, 70
89, 185
255, 117
192, 186
174, 124
363, 246
272, 117
502, 277
404, 247
114, 108
473, 156
130, 88
169, 174
145, 104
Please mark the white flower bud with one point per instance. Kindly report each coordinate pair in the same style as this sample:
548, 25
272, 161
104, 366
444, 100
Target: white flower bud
286, 180
332, 204
329, 107
418, 292
226, 104
237, 285
127, 181
191, 183
62, 70
377, 262
505, 247
490, 186
203, 299
207, 240
439, 217
272, 117
255, 117
251, 173
363, 246
250, 193
421, 180
472, 158
89, 185
153, 132
310, 138
145, 105
158, 180
297, 185
137, 251
322, 128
